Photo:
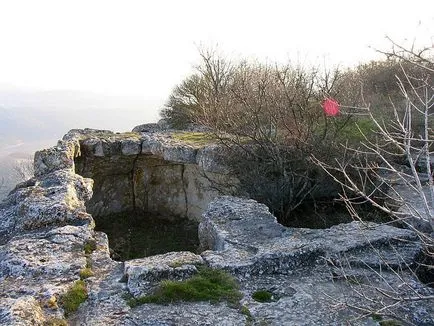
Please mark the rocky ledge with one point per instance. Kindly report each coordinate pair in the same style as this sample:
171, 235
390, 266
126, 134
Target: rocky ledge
315, 277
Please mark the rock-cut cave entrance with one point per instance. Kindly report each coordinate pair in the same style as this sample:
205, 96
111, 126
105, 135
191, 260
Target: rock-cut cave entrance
141, 234
145, 205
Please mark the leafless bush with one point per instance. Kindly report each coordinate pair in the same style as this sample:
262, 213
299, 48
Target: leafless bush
393, 171
376, 161
274, 117
269, 118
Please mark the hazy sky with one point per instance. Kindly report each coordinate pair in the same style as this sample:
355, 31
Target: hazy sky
146, 47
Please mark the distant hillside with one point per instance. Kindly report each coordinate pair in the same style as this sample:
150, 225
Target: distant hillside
77, 100
24, 125
34, 116
32, 120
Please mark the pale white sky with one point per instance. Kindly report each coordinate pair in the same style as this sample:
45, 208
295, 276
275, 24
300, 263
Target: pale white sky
146, 47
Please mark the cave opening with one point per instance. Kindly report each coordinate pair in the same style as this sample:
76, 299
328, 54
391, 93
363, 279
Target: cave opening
145, 204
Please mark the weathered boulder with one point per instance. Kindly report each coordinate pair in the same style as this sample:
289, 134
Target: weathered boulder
145, 273
55, 158
316, 277
211, 159
243, 236
58, 252
22, 311
246, 239
52, 199
150, 127
36, 269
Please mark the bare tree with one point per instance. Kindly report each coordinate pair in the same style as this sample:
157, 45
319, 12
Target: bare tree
200, 97
271, 123
393, 171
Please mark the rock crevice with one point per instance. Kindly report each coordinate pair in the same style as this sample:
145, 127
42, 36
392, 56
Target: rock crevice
133, 183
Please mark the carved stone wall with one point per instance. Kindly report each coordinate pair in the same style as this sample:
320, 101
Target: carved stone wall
143, 173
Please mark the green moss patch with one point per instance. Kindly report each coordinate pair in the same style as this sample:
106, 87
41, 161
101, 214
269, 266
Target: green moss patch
208, 285
385, 322
262, 296
75, 296
195, 138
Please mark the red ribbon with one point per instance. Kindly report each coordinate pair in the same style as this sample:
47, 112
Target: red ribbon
330, 107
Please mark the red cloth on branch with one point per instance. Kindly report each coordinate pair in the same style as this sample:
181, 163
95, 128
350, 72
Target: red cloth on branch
330, 107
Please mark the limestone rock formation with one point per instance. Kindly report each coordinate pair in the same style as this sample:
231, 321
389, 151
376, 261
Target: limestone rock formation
244, 237
143, 274
316, 277
152, 172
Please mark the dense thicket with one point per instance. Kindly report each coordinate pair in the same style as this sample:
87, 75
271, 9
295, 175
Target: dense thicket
270, 116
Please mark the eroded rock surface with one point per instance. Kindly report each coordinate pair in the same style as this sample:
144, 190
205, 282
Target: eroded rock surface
245, 237
150, 172
143, 274
316, 277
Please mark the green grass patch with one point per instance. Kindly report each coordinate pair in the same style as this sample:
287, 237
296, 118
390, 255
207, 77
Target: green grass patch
208, 285
195, 138
55, 322
75, 295
355, 130
342, 130
85, 273
246, 312
262, 296
89, 247
385, 322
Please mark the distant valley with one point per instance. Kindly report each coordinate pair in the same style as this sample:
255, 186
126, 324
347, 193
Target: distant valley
31, 120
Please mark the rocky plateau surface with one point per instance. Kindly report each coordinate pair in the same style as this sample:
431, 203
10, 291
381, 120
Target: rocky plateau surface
316, 276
